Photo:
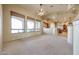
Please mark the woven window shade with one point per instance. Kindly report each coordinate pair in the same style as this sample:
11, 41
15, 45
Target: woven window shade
16, 14
28, 17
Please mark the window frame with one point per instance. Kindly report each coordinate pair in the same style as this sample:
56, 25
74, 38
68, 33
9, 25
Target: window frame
37, 29
17, 29
27, 25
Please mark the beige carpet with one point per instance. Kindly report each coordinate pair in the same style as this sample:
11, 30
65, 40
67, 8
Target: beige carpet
39, 45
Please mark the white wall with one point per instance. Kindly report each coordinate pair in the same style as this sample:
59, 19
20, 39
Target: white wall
8, 36
1, 26
76, 37
70, 34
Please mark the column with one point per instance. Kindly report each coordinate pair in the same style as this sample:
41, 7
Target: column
70, 33
56, 28
41, 24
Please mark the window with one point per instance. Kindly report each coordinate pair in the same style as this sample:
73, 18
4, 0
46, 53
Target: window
37, 25
17, 24
30, 25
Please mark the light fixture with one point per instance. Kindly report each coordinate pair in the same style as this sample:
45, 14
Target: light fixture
41, 12
74, 11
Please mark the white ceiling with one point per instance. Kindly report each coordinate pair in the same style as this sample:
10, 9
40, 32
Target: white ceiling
57, 12
46, 7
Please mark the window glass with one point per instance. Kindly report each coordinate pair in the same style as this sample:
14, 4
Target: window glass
30, 25
38, 25
17, 24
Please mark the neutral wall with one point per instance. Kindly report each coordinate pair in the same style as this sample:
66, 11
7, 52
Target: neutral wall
76, 36
7, 28
1, 26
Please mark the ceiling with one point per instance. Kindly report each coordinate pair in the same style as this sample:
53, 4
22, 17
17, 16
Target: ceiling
55, 12
46, 7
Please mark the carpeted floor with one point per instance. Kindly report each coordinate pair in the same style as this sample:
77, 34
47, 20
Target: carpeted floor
39, 45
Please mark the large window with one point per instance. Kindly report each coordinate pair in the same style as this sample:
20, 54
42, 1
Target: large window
30, 25
37, 25
17, 23
33, 25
